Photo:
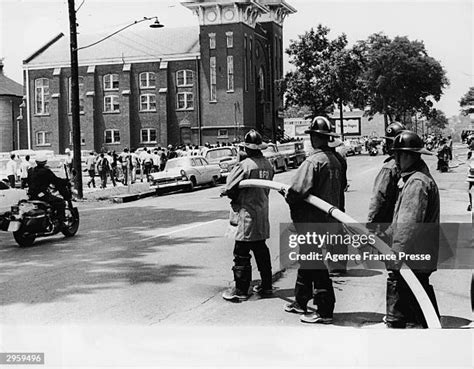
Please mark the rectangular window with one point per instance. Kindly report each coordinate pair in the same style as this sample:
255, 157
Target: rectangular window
212, 41
43, 138
184, 78
185, 100
112, 136
147, 80
230, 39
111, 104
251, 60
111, 82
213, 79
42, 96
246, 74
83, 140
148, 135
230, 73
82, 94
148, 102
222, 133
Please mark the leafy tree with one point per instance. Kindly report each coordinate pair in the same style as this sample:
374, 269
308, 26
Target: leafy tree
308, 84
437, 120
399, 77
467, 102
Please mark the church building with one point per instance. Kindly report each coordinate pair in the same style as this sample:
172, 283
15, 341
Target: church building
155, 87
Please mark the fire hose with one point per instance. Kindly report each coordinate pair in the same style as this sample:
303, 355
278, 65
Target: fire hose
351, 224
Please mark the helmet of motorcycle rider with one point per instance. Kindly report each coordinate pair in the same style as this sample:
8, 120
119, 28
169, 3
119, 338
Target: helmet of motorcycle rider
253, 140
409, 141
393, 130
321, 126
41, 159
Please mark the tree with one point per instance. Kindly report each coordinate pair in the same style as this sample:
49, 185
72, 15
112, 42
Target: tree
467, 102
437, 120
399, 77
308, 84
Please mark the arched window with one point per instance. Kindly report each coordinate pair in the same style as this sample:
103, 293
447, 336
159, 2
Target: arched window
42, 96
82, 95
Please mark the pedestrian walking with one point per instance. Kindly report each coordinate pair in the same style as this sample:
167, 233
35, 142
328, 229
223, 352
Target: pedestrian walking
25, 166
103, 169
69, 162
470, 181
126, 165
12, 170
321, 175
156, 158
415, 231
147, 164
450, 147
135, 164
90, 167
249, 216
385, 190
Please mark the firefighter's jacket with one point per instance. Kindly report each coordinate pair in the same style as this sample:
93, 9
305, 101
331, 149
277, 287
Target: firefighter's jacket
384, 194
249, 211
321, 175
415, 226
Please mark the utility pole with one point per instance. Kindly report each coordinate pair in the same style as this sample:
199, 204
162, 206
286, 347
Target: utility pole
76, 123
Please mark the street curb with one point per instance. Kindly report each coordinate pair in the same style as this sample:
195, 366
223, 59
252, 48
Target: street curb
132, 197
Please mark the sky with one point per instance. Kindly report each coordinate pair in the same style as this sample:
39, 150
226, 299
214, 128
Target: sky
445, 26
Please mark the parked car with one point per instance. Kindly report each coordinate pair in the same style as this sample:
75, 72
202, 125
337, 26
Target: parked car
185, 172
353, 147
295, 151
278, 160
10, 197
225, 157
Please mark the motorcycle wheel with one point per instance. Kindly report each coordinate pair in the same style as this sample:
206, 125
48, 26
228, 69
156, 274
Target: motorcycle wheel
71, 227
23, 240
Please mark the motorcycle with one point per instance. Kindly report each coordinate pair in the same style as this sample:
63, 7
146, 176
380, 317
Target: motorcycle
31, 219
373, 151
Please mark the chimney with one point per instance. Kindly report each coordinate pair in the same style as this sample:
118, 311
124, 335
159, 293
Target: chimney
1, 65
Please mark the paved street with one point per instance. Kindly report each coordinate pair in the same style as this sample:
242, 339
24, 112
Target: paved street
166, 260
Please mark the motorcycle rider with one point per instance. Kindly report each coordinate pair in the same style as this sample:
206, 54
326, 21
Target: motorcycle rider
39, 180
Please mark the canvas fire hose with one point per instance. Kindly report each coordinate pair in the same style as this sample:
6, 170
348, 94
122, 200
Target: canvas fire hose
351, 224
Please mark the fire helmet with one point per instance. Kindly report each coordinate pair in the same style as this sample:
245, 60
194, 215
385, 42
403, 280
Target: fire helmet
253, 140
409, 141
321, 126
393, 130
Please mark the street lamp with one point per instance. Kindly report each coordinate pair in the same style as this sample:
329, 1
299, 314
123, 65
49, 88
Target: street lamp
76, 125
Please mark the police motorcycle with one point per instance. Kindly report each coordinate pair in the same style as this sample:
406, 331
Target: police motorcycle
31, 219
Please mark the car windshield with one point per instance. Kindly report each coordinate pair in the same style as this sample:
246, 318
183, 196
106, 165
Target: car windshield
217, 154
177, 163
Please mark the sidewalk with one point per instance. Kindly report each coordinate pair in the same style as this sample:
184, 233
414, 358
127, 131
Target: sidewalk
121, 192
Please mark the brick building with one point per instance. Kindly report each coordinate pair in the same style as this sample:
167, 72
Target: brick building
148, 87
12, 131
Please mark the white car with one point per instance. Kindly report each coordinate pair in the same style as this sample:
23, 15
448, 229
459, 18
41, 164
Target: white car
10, 197
186, 173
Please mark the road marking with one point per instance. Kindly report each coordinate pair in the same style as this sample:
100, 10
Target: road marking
182, 229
